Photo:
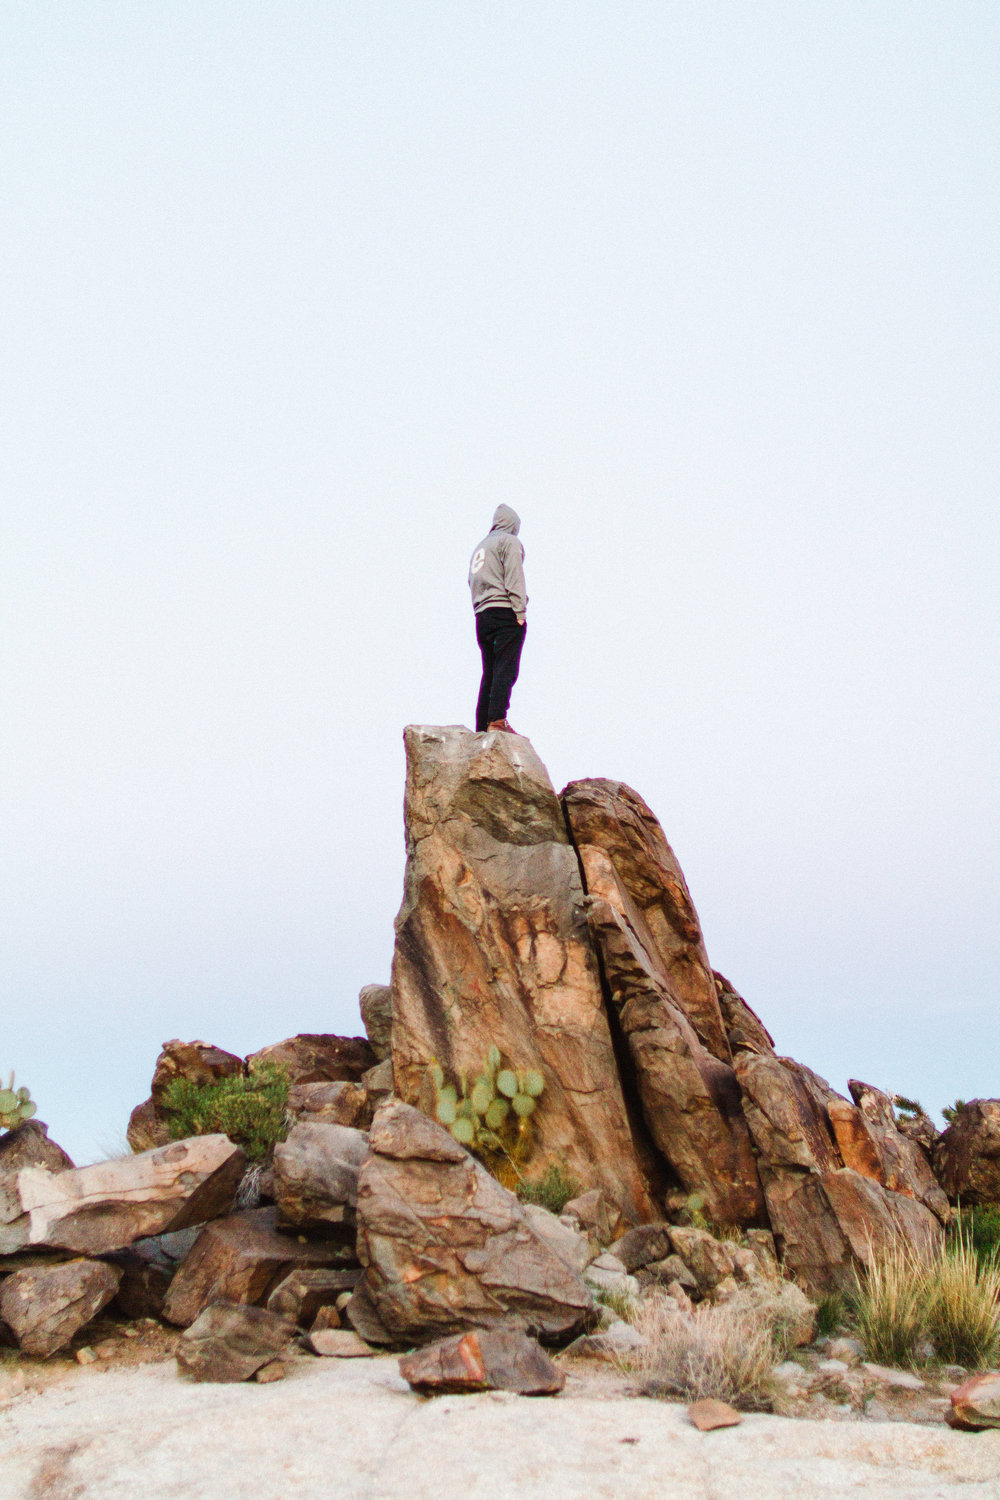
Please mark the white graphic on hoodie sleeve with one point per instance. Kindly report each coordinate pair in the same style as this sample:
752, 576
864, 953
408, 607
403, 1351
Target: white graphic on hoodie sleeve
478, 559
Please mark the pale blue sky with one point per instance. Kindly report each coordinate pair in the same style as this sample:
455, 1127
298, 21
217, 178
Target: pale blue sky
292, 295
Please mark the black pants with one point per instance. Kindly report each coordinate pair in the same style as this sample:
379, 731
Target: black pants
500, 640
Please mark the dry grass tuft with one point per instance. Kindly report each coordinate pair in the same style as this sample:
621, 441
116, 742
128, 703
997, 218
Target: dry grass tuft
952, 1299
724, 1350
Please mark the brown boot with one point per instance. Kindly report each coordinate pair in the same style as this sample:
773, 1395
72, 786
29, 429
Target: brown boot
503, 726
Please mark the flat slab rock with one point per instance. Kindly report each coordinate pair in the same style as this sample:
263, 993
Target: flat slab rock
227, 1342
94, 1210
483, 1360
709, 1414
44, 1306
338, 1343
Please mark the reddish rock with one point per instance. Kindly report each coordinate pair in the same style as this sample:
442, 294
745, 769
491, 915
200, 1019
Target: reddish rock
975, 1405
653, 957
331, 1104
312, 1058
709, 1414
905, 1167
308, 1290
858, 1148
199, 1063
240, 1259
146, 1128
492, 948
228, 1343
789, 1124
316, 1177
447, 1248
46, 1305
483, 1360
967, 1154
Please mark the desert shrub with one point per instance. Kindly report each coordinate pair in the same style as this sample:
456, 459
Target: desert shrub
621, 1303
725, 1350
981, 1226
952, 1111
963, 1312
890, 1307
248, 1107
552, 1191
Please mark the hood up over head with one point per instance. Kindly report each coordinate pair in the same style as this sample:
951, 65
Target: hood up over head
505, 519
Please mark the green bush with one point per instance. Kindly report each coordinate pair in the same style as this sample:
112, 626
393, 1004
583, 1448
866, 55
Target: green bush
248, 1107
952, 1111
981, 1226
831, 1314
552, 1191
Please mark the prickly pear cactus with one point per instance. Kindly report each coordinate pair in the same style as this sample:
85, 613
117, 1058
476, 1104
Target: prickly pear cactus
16, 1105
491, 1115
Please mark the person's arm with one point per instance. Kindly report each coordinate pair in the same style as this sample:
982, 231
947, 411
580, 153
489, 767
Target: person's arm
513, 578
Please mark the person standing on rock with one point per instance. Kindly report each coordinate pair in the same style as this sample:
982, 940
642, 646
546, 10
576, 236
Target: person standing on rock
496, 579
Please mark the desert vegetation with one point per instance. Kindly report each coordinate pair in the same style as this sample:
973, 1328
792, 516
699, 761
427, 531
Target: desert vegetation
250, 1108
909, 1311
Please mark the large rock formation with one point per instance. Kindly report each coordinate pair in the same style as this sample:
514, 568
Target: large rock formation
967, 1154
492, 948
446, 1248
657, 971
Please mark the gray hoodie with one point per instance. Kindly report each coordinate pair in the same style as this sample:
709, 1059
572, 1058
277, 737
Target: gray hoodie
496, 572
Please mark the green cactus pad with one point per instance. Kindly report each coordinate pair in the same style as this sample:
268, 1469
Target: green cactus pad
466, 1111
27, 1110
493, 1059
436, 1074
523, 1104
533, 1083
447, 1105
507, 1083
464, 1131
8, 1102
482, 1094
497, 1113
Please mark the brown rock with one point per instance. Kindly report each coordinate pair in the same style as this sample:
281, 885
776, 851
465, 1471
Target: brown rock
28, 1145
922, 1131
967, 1154
379, 1084
146, 1128
858, 1147
761, 1244
707, 1258
646, 931
596, 1214
228, 1342
362, 1314
709, 1414
45, 1306
331, 1104
492, 948
446, 1247
975, 1405
198, 1062
240, 1259
312, 1058
744, 1028
376, 1013
308, 1290
643, 1245
789, 1124
316, 1177
105, 1207
812, 1244
483, 1360
905, 1167
338, 1343
628, 863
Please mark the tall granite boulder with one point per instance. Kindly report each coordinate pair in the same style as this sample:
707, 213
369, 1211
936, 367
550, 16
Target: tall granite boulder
493, 948
967, 1154
653, 956
446, 1248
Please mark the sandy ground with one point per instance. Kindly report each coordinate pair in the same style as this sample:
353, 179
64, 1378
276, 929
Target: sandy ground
352, 1429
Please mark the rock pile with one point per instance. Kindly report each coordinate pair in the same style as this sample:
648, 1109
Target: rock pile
553, 1004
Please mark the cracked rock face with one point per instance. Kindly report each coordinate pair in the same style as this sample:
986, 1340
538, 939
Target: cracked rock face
447, 1248
647, 932
492, 947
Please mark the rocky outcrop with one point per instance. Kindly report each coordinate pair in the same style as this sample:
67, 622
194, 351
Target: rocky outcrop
653, 958
483, 1360
745, 1031
492, 948
199, 1063
904, 1167
447, 1248
44, 1306
106, 1207
828, 1218
967, 1154
241, 1258
330, 1104
28, 1145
